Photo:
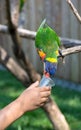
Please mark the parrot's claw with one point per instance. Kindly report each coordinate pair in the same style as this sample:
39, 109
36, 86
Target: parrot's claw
60, 53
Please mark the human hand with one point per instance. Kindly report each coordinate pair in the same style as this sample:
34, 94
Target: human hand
34, 97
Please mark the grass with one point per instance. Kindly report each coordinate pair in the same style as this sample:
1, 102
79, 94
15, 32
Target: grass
69, 102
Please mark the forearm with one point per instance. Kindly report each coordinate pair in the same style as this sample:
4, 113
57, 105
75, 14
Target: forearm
10, 113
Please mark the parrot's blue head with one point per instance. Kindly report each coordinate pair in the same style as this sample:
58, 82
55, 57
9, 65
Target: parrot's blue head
50, 68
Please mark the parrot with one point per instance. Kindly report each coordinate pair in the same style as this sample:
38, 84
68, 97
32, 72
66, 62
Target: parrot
47, 44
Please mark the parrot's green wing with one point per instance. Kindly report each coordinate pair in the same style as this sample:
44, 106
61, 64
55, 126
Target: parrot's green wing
47, 40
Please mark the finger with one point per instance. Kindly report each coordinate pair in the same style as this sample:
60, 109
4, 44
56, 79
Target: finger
42, 104
45, 94
45, 89
36, 84
43, 100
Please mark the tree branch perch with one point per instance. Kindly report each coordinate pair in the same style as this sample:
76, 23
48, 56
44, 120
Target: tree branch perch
71, 50
12, 9
74, 45
14, 68
74, 10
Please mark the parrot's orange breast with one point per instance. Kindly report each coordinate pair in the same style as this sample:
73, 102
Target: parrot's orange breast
41, 54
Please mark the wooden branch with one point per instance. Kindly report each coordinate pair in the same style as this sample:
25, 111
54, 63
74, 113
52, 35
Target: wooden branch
31, 35
17, 49
74, 10
15, 6
27, 33
22, 32
71, 50
67, 43
13, 66
8, 15
12, 24
4, 29
56, 117
13, 12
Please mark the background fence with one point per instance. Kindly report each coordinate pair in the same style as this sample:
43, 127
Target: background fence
59, 17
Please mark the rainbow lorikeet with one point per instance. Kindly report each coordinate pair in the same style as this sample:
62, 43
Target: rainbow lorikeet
47, 44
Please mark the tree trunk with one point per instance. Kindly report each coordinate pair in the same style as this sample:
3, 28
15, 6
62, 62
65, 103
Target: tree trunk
56, 117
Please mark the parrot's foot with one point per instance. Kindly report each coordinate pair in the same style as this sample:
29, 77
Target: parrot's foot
46, 74
60, 53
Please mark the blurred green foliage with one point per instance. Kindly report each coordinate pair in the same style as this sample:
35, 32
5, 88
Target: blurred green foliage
21, 4
69, 101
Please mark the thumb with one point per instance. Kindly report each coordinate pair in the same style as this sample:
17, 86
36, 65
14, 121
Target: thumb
36, 84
